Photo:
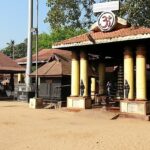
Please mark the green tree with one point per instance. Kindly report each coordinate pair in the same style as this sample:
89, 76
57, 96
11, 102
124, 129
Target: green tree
44, 41
136, 12
11, 47
69, 13
20, 49
7, 51
64, 33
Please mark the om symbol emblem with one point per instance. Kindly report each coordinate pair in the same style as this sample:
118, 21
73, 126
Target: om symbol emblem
106, 21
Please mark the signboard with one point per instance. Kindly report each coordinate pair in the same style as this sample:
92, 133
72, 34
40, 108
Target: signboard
106, 21
107, 6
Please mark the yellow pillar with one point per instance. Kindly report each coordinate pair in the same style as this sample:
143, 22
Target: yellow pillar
84, 71
141, 73
101, 72
93, 87
20, 77
75, 78
128, 71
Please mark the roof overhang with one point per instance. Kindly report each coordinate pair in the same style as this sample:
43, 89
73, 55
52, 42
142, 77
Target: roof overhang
11, 71
58, 76
33, 62
105, 41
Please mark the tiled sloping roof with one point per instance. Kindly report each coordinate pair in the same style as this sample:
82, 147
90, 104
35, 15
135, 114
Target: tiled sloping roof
7, 64
58, 68
54, 68
66, 67
44, 55
123, 34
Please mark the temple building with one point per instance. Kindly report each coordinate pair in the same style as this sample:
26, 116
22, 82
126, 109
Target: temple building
54, 69
124, 48
43, 57
54, 74
54, 78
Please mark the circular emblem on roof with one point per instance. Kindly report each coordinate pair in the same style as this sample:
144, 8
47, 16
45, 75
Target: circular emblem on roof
107, 21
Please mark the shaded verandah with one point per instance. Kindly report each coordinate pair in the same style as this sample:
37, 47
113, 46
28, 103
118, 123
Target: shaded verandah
55, 78
8, 66
126, 47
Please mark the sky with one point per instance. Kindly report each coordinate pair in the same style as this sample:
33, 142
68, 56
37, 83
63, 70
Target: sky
14, 20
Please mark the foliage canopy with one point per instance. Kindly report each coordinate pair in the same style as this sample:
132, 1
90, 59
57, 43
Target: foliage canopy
69, 13
136, 12
78, 13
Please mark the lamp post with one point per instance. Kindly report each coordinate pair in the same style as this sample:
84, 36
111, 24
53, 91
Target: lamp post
32, 30
36, 102
29, 45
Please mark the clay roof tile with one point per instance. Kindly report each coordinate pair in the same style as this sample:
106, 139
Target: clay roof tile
9, 65
124, 34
